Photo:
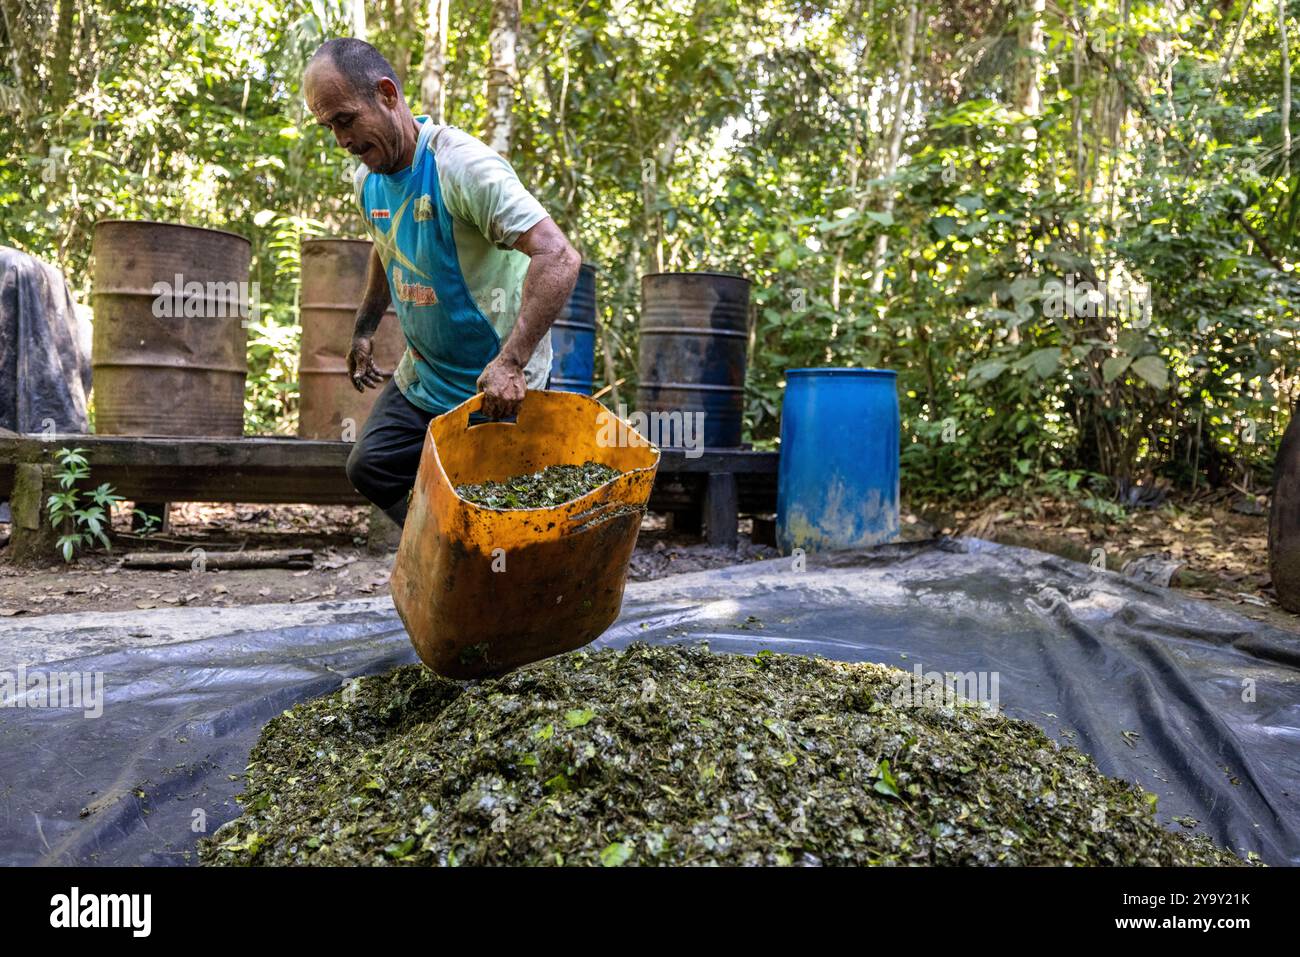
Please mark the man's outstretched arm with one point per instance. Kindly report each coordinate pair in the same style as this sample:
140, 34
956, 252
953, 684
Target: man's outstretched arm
361, 363
552, 274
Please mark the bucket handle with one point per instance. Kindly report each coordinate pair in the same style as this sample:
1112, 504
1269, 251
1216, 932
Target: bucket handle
459, 416
463, 411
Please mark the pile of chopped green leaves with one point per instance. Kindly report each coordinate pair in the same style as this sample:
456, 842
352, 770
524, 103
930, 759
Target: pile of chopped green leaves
553, 485
675, 755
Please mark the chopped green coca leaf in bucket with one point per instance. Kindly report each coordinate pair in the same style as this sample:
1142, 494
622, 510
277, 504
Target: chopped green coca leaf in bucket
675, 755
553, 485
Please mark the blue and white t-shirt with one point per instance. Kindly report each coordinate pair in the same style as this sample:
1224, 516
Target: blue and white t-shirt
443, 228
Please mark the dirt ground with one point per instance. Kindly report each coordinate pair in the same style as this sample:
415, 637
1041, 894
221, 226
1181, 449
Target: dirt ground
1219, 548
1216, 546
342, 567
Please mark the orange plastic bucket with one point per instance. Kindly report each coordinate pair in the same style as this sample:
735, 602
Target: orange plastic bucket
481, 590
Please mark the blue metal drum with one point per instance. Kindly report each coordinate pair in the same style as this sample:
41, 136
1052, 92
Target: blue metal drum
691, 359
838, 476
573, 338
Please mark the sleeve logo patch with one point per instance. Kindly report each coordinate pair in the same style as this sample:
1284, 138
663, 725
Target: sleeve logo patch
379, 214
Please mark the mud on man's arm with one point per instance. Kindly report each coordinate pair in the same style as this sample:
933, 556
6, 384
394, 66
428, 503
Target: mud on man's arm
552, 274
374, 303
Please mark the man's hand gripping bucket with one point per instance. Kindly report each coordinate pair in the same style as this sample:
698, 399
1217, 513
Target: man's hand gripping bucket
482, 591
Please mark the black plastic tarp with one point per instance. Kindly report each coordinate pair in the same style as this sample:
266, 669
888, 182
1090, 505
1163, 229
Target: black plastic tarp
1198, 705
44, 372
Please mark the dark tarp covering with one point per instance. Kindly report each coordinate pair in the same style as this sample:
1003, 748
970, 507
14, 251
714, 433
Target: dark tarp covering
44, 374
1087, 655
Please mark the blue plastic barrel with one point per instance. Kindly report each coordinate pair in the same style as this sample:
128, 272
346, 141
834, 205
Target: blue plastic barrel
838, 475
573, 338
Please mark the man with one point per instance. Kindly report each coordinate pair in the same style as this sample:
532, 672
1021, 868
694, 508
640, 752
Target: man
476, 269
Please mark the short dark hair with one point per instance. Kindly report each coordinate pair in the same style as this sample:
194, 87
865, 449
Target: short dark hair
357, 62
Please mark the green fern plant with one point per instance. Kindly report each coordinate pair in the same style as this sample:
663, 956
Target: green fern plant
81, 517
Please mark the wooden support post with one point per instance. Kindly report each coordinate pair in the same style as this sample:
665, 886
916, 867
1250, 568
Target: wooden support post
34, 540
721, 509
385, 534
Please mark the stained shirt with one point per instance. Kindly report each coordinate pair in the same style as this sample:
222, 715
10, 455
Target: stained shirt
443, 228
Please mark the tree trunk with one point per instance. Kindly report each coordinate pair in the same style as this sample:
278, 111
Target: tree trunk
1076, 115
896, 138
1028, 95
60, 69
23, 26
404, 23
650, 217
503, 74
359, 19
858, 162
1286, 90
433, 73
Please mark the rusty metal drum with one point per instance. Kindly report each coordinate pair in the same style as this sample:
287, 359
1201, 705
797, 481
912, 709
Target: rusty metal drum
694, 340
333, 285
170, 303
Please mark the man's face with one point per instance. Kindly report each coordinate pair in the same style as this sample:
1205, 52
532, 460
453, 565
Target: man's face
367, 126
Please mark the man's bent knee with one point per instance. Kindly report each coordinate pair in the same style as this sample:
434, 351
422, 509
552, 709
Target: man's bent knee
364, 478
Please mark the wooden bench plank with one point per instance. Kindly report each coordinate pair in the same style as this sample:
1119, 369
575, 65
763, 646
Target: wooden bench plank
713, 461
271, 452
285, 470
152, 452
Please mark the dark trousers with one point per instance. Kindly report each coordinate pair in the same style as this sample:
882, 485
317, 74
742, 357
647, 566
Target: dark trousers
386, 457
